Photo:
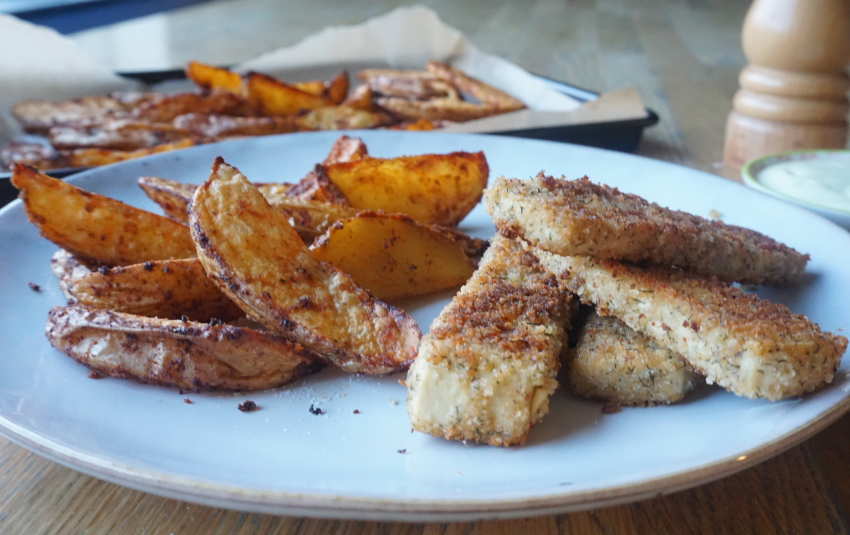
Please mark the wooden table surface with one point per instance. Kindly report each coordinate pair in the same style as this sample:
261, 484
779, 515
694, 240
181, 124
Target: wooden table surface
682, 56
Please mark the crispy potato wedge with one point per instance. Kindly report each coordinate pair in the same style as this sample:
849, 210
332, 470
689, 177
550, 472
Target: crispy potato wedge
437, 109
185, 354
360, 98
431, 188
277, 98
165, 108
40, 155
314, 87
170, 289
316, 186
309, 218
95, 157
394, 257
121, 134
215, 78
257, 258
38, 116
473, 87
96, 229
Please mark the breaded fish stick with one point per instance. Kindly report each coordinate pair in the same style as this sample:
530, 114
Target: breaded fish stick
621, 366
577, 217
745, 344
487, 368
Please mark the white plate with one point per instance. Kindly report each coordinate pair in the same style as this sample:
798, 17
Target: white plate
283, 459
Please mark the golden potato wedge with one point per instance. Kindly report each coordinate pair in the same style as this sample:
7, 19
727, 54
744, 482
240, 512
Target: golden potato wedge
185, 354
170, 289
309, 218
277, 98
96, 229
257, 258
394, 257
472, 247
97, 157
316, 186
431, 188
213, 127
215, 78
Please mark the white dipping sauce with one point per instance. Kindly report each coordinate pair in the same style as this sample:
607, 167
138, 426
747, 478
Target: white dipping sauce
821, 181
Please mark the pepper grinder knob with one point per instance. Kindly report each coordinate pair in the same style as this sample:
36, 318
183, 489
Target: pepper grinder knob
793, 93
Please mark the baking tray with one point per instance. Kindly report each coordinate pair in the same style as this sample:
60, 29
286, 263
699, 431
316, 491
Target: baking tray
621, 136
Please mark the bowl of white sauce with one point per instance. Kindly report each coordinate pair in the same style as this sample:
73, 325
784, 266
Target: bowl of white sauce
817, 180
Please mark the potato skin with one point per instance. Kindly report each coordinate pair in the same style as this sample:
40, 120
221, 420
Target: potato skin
436, 189
394, 257
164, 288
188, 355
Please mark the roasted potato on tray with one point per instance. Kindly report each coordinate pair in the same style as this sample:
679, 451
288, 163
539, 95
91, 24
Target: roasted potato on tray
185, 354
258, 259
394, 257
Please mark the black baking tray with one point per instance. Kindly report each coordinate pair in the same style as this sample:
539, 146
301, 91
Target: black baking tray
621, 136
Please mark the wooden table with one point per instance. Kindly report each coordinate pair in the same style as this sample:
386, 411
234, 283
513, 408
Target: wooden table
683, 57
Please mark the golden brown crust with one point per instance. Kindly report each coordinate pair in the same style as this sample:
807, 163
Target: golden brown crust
187, 355
487, 367
746, 344
257, 259
577, 217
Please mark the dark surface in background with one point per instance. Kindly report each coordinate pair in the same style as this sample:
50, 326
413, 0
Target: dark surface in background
75, 17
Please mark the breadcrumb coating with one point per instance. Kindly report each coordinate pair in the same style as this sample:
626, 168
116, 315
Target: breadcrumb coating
621, 366
578, 217
486, 370
747, 345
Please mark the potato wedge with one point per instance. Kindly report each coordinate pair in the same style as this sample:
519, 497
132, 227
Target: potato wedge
431, 188
215, 78
437, 109
316, 186
346, 149
342, 118
96, 229
185, 354
309, 218
97, 157
394, 257
473, 87
164, 288
277, 98
257, 258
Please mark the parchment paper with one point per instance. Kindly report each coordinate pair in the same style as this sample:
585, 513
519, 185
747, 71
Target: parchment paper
38, 63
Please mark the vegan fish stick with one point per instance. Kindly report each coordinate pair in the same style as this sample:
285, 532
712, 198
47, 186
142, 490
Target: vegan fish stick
747, 345
621, 366
577, 217
486, 370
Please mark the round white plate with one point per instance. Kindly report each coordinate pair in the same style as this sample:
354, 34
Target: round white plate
367, 464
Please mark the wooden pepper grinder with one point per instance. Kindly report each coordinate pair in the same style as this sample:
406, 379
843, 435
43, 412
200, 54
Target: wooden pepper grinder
794, 91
